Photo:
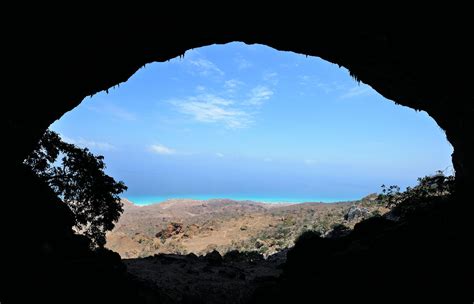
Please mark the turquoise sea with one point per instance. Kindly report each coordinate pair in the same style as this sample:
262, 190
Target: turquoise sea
153, 199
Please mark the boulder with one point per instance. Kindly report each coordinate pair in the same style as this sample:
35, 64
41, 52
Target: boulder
356, 212
172, 229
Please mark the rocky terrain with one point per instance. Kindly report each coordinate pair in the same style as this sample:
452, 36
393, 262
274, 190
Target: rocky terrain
223, 251
211, 278
185, 226
342, 246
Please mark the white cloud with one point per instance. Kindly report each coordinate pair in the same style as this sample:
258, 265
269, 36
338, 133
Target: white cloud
91, 144
114, 110
220, 155
210, 108
67, 139
310, 161
357, 91
327, 87
242, 63
267, 160
259, 95
305, 78
232, 83
271, 77
205, 67
161, 149
227, 108
98, 145
121, 113
344, 90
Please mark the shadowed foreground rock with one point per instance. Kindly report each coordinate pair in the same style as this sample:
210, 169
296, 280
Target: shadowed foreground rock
207, 279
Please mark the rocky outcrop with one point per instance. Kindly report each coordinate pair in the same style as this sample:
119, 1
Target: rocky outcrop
356, 212
171, 230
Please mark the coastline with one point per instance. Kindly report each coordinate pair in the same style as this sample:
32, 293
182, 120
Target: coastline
152, 200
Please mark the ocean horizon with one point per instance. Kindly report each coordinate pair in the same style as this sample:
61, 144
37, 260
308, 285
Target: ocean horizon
144, 200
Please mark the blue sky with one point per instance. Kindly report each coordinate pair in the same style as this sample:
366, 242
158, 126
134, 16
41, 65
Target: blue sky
247, 121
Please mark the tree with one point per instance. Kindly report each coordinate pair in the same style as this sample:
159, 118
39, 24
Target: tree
78, 178
428, 186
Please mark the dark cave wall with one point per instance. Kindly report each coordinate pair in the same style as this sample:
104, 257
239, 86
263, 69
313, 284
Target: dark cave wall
422, 69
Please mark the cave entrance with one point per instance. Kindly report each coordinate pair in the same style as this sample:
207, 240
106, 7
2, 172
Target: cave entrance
217, 135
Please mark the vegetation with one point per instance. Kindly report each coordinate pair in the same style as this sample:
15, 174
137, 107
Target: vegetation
332, 224
77, 177
429, 186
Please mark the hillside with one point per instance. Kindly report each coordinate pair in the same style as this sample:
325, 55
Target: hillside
182, 226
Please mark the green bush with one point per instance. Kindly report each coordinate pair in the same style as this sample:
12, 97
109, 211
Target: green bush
434, 185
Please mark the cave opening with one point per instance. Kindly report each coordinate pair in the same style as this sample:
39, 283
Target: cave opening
219, 146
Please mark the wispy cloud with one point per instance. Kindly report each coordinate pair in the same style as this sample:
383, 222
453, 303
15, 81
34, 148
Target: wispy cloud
357, 91
232, 83
220, 155
310, 161
91, 144
161, 149
329, 87
205, 67
232, 86
343, 90
305, 79
121, 113
259, 95
234, 106
271, 77
114, 110
267, 160
209, 108
242, 63
326, 87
